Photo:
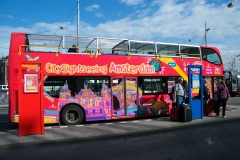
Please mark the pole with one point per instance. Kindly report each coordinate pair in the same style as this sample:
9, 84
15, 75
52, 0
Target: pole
234, 62
78, 25
78, 18
205, 34
206, 31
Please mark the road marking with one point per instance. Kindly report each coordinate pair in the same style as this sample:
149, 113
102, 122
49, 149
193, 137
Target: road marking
123, 122
80, 125
63, 126
135, 121
12, 130
148, 120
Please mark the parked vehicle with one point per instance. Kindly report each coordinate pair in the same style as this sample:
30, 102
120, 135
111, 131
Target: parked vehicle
232, 78
4, 87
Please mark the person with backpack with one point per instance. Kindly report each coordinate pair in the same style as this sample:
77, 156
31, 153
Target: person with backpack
179, 93
222, 93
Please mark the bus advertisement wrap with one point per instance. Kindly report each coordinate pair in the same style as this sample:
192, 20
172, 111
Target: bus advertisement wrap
104, 78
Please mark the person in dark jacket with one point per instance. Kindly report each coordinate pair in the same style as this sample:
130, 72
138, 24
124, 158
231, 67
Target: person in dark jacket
73, 49
222, 92
206, 93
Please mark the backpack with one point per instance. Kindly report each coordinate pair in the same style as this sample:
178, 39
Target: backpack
171, 93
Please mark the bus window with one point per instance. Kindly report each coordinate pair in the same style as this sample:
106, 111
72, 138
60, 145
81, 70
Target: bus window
190, 51
211, 56
53, 85
234, 81
92, 83
168, 50
152, 85
142, 48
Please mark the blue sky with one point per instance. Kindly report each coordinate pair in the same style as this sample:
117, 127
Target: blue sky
172, 21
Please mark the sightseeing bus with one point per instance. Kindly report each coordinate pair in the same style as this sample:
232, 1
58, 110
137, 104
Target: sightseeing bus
232, 78
95, 78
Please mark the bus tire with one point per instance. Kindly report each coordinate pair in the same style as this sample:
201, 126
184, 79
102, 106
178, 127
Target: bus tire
72, 115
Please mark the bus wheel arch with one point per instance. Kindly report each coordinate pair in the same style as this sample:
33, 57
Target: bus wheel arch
72, 114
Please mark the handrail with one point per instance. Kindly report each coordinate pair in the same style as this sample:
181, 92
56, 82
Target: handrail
57, 48
129, 52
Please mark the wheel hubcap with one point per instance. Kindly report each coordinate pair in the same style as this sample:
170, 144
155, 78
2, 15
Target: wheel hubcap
72, 115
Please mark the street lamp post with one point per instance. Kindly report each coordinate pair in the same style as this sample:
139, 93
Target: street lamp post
78, 26
230, 5
78, 19
206, 30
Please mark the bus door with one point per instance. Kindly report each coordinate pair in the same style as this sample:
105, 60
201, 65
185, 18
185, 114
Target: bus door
124, 96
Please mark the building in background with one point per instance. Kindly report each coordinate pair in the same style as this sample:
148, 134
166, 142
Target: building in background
4, 71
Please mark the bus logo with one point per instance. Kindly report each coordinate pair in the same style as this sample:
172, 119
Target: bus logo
156, 64
217, 70
196, 70
171, 64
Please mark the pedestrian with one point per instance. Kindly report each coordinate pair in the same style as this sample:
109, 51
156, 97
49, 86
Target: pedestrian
171, 94
179, 93
222, 93
206, 93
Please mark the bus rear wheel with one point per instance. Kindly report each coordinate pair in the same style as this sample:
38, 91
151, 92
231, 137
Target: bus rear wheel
72, 115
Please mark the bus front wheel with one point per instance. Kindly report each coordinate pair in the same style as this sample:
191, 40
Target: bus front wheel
72, 115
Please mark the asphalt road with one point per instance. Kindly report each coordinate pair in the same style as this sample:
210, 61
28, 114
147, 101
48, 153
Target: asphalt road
219, 141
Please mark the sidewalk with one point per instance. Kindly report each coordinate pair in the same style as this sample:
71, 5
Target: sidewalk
110, 129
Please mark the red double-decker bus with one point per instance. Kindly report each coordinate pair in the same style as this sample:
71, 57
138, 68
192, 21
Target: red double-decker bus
92, 78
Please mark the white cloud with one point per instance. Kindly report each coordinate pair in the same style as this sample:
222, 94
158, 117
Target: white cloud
131, 2
92, 7
99, 14
5, 32
9, 16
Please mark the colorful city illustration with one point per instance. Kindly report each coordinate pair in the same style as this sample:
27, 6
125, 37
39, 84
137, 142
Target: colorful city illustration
100, 107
